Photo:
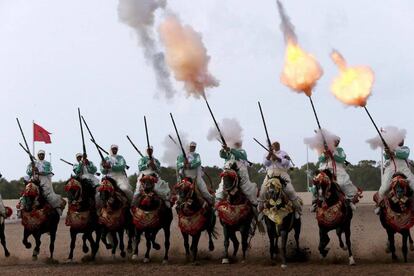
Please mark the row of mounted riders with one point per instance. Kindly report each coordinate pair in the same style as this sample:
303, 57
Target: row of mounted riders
147, 214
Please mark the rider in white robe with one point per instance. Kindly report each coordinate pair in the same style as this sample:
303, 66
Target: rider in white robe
114, 166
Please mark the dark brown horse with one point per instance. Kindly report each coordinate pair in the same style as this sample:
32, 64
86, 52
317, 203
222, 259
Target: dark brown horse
236, 214
114, 215
82, 216
396, 213
194, 217
332, 213
279, 214
8, 213
38, 217
149, 215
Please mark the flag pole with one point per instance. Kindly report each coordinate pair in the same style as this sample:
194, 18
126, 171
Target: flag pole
33, 147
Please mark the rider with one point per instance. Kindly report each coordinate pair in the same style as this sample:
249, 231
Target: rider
85, 169
149, 165
338, 166
43, 173
238, 156
396, 161
191, 167
114, 167
277, 163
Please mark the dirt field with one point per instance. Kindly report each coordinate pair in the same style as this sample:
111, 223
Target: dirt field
368, 239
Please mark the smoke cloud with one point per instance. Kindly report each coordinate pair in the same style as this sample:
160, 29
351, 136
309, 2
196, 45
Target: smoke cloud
392, 135
231, 130
316, 142
172, 150
187, 56
140, 16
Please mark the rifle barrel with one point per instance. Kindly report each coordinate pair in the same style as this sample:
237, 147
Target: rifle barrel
67, 162
257, 141
83, 137
265, 127
375, 125
178, 136
134, 146
215, 122
93, 139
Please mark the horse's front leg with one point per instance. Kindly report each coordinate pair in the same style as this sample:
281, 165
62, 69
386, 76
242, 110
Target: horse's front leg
284, 236
36, 250
114, 243
410, 239
225, 259
186, 245
52, 243
85, 248
26, 235
323, 242
166, 243
348, 243
297, 227
235, 242
391, 243
245, 239
148, 238
271, 233
72, 244
121, 243
404, 244
194, 247
137, 239
3, 241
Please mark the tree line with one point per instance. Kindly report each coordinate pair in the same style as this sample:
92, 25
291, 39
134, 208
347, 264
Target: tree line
366, 175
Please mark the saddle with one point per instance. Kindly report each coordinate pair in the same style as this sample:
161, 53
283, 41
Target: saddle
78, 220
331, 216
36, 218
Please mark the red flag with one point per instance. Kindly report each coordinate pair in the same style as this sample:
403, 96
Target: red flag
40, 134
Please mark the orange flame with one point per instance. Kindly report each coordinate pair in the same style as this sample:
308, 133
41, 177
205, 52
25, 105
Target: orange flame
353, 85
301, 70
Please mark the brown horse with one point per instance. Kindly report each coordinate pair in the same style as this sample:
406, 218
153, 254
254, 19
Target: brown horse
82, 216
8, 213
149, 215
332, 213
194, 217
396, 214
236, 214
38, 217
114, 216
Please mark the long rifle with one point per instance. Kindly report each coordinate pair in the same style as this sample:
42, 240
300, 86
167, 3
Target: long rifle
135, 147
146, 134
101, 148
179, 139
215, 122
27, 149
67, 162
325, 145
93, 140
269, 143
83, 137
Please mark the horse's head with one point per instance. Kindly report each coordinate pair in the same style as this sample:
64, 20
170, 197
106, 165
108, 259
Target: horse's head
400, 190
73, 188
185, 188
275, 195
230, 181
148, 183
106, 189
30, 196
323, 181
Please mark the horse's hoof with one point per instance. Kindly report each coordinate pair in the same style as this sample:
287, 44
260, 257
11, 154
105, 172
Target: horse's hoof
34, 258
243, 261
352, 261
225, 261
113, 257
195, 263
134, 257
283, 266
344, 248
85, 249
324, 252
164, 262
411, 247
156, 246
7, 254
108, 246
28, 245
69, 261
129, 250
52, 261
394, 257
123, 254
146, 260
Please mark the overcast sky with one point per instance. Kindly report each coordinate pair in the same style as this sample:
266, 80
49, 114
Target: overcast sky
56, 56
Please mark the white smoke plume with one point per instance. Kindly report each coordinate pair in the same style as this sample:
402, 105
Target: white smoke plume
172, 149
231, 130
187, 56
286, 25
392, 135
139, 15
316, 142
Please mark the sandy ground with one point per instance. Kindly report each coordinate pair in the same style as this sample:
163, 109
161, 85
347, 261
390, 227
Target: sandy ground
368, 239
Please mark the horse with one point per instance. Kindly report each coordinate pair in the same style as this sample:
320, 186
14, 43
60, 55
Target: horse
150, 214
38, 217
332, 212
195, 215
114, 215
8, 213
235, 213
82, 216
279, 215
396, 213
